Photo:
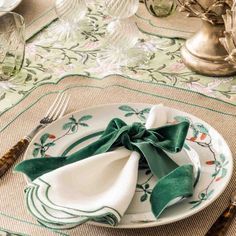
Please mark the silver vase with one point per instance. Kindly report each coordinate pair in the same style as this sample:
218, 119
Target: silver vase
204, 52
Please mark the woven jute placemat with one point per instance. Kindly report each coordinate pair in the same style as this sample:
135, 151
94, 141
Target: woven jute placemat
87, 92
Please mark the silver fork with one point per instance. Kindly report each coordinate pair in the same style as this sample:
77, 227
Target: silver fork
55, 111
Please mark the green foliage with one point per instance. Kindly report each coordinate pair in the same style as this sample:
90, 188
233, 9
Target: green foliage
131, 111
73, 124
144, 197
85, 118
126, 108
201, 128
44, 138
222, 157
36, 152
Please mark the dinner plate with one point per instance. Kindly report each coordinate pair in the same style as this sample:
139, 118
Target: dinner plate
208, 150
8, 5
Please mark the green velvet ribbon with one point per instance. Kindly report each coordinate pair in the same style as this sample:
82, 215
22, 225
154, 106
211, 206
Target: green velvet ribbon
173, 180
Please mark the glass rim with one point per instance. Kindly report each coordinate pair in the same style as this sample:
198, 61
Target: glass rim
15, 14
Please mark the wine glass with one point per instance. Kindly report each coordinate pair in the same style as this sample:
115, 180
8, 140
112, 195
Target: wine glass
72, 21
160, 8
70, 11
12, 44
70, 14
121, 45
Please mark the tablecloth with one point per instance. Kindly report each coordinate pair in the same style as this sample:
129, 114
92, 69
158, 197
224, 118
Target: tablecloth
48, 62
20, 111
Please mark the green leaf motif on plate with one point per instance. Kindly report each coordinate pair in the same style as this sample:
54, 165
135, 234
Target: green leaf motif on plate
201, 128
36, 152
144, 188
126, 108
85, 118
46, 141
144, 197
129, 111
202, 196
223, 173
72, 125
49, 140
44, 138
222, 157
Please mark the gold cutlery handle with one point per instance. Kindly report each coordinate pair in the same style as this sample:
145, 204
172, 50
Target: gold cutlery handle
7, 160
222, 224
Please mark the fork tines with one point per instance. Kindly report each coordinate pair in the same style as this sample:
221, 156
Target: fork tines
58, 107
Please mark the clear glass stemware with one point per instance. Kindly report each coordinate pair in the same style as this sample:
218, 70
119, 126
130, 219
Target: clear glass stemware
121, 9
5, 5
70, 14
160, 8
12, 44
72, 21
121, 45
71, 11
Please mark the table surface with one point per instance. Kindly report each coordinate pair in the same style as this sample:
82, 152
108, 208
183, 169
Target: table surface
49, 69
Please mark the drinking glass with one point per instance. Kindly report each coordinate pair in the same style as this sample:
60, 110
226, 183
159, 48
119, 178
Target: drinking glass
12, 44
121, 46
71, 11
71, 14
160, 8
5, 5
122, 31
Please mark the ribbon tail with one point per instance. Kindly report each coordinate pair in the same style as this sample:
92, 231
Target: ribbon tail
178, 183
158, 161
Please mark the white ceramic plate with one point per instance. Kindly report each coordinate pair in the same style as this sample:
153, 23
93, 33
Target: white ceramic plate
8, 5
80, 128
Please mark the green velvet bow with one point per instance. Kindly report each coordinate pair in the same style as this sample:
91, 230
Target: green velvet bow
173, 180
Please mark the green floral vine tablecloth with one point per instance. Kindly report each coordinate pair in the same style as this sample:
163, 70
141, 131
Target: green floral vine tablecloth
48, 61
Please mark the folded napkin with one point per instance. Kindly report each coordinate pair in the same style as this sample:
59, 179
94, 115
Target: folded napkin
98, 182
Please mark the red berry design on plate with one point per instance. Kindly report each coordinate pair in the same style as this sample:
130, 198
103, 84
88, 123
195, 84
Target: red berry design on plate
193, 139
218, 179
210, 162
203, 136
51, 136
